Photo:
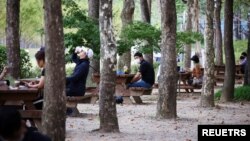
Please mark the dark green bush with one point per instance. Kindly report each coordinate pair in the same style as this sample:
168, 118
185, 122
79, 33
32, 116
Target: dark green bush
240, 93
25, 62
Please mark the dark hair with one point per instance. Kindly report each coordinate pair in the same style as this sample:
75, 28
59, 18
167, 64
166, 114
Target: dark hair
138, 54
244, 54
242, 57
10, 122
40, 55
195, 58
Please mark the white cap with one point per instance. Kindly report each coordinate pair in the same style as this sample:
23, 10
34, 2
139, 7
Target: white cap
89, 52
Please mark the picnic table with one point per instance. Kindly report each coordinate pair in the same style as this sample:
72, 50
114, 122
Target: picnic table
121, 81
25, 96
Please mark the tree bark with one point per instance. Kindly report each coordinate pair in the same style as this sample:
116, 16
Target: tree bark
247, 69
196, 28
187, 48
218, 34
93, 12
53, 119
13, 37
127, 18
166, 106
237, 24
146, 17
229, 81
107, 112
207, 94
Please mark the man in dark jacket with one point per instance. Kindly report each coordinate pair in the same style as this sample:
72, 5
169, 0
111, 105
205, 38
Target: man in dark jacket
77, 81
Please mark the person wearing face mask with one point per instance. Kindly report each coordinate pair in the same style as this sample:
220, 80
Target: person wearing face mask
13, 128
76, 83
145, 77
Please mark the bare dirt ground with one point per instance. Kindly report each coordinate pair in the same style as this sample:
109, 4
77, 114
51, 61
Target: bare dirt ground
138, 122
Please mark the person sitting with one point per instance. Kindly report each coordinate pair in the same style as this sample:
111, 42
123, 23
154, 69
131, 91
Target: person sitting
3, 73
145, 77
243, 62
196, 72
40, 59
76, 83
13, 128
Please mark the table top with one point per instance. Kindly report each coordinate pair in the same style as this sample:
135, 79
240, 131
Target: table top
118, 75
18, 94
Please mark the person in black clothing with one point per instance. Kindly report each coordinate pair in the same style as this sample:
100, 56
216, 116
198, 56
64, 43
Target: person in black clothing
77, 81
13, 128
146, 75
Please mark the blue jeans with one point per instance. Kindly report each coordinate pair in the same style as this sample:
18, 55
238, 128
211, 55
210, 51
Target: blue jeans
140, 83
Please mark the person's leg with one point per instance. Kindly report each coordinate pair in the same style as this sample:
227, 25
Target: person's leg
140, 83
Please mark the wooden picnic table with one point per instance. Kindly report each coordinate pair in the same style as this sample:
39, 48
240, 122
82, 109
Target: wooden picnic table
26, 96
121, 82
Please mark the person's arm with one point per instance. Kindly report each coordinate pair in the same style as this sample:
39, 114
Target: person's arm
39, 85
74, 58
77, 75
136, 77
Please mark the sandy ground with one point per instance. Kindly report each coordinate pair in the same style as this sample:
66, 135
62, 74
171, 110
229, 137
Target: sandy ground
138, 123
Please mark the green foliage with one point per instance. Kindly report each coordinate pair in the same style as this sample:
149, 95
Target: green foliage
239, 47
80, 30
146, 38
240, 93
143, 36
25, 62
186, 38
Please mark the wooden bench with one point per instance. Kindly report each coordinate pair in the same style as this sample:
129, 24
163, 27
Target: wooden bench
72, 101
137, 92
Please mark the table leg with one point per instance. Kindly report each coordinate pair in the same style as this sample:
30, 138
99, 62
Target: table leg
137, 99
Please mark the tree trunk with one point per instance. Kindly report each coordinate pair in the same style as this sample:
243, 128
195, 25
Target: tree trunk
207, 95
196, 27
218, 34
127, 18
93, 12
247, 69
187, 48
237, 24
146, 17
12, 37
229, 81
166, 106
107, 112
54, 118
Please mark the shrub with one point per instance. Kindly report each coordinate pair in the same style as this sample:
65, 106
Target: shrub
240, 93
25, 62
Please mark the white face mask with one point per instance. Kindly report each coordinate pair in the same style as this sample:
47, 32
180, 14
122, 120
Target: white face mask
138, 61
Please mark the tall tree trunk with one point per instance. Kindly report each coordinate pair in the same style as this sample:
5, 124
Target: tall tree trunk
146, 17
107, 112
127, 18
187, 48
196, 27
93, 12
12, 37
54, 110
229, 81
237, 24
207, 95
166, 106
247, 70
218, 34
